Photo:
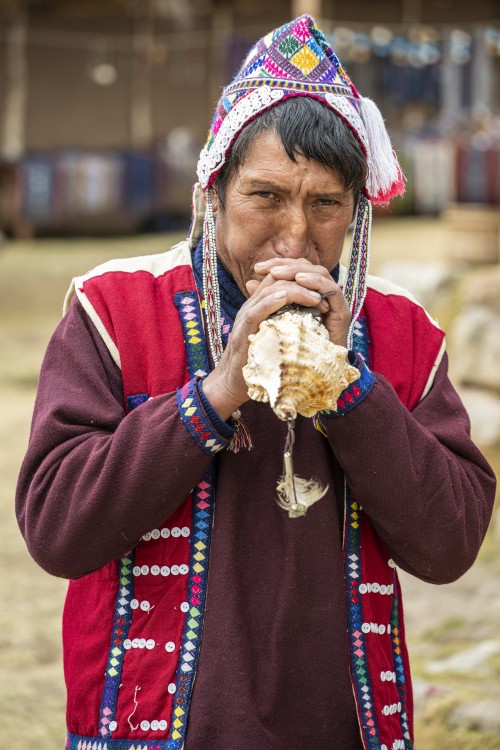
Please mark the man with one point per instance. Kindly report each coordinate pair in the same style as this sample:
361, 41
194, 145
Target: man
127, 485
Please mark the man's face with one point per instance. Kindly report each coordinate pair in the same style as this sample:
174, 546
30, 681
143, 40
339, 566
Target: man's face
279, 208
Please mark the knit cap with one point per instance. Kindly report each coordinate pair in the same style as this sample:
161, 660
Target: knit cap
297, 60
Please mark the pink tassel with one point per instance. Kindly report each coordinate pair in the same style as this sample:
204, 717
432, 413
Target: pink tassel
385, 176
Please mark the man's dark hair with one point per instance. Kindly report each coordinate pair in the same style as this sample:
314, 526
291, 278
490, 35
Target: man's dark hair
305, 127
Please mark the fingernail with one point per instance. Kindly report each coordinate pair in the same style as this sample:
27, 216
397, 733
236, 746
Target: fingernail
259, 265
279, 295
301, 276
316, 295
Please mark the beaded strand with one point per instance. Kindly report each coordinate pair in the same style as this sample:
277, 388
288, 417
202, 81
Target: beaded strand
211, 289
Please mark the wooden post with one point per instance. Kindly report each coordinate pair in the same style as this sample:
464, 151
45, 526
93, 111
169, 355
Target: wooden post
141, 115
16, 84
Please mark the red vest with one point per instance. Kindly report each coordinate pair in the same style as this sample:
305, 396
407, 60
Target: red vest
130, 669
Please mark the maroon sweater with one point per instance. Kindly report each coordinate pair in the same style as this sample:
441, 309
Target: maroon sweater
273, 671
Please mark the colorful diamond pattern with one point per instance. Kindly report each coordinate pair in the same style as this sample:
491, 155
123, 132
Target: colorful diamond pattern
305, 60
196, 421
289, 46
121, 626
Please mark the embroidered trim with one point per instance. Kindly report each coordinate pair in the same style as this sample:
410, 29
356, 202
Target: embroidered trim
399, 665
368, 711
196, 420
203, 508
78, 742
194, 337
355, 393
136, 400
121, 627
202, 520
284, 83
357, 641
223, 428
245, 110
348, 112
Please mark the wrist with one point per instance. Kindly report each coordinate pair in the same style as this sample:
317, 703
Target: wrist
222, 399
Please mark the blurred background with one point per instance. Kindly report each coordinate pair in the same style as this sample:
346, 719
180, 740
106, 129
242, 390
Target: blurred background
104, 107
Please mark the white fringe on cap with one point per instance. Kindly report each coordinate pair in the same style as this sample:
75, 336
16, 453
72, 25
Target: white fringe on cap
385, 177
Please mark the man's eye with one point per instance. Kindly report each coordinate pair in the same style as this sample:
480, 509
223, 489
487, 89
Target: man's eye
326, 202
264, 194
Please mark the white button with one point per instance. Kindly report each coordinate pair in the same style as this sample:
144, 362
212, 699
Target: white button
165, 533
145, 606
174, 570
136, 570
375, 588
155, 570
150, 644
184, 607
381, 629
155, 534
165, 570
154, 726
142, 642
383, 589
147, 536
162, 725
134, 604
135, 643
365, 627
112, 726
363, 588
170, 646
145, 570
127, 643
172, 688
183, 570
391, 563
145, 725
185, 531
176, 531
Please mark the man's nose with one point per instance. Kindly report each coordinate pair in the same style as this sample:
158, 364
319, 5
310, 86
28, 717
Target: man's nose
294, 234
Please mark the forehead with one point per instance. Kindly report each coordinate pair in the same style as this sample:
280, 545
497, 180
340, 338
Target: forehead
266, 162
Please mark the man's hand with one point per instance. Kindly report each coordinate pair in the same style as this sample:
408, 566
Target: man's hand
284, 282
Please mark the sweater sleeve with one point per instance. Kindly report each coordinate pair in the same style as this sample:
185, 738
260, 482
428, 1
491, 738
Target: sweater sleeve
94, 478
426, 488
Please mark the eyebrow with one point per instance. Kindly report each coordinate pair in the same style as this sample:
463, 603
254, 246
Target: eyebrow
271, 186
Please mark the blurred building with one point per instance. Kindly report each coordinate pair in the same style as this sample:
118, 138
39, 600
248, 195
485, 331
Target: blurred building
104, 104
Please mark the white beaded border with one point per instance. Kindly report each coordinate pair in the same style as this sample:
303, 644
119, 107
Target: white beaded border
211, 160
245, 110
341, 105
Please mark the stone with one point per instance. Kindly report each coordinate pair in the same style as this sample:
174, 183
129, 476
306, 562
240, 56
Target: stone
425, 281
483, 408
474, 345
482, 288
483, 715
471, 661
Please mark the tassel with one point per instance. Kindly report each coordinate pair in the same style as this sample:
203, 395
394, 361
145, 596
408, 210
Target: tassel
385, 176
241, 439
295, 494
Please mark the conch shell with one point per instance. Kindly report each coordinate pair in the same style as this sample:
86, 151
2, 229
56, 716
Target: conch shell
293, 364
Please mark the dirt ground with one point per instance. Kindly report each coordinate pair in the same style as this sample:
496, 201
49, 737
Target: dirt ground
441, 621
